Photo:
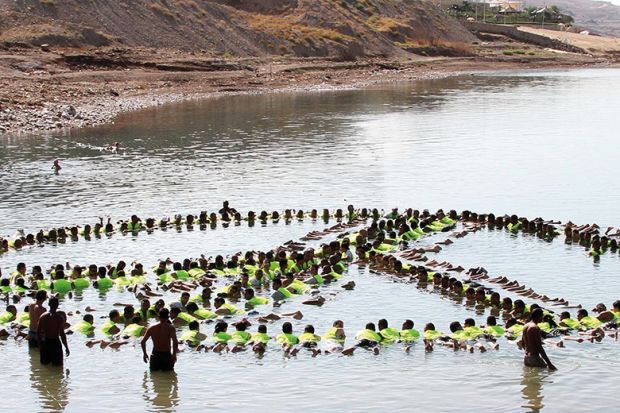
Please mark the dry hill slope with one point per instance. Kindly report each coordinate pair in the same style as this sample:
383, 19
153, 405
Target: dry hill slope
601, 17
342, 29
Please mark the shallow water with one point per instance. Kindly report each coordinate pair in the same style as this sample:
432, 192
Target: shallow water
534, 144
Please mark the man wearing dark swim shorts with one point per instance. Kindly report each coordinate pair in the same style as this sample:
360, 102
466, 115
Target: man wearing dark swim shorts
51, 332
165, 344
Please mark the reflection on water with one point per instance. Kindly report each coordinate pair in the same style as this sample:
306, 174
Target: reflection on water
161, 391
532, 383
509, 143
50, 383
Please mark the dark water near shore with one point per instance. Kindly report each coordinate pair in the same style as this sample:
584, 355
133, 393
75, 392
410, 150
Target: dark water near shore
534, 144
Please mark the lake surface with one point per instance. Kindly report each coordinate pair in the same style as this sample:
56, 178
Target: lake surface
533, 144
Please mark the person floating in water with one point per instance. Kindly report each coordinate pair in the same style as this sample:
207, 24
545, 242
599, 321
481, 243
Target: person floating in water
56, 167
114, 148
162, 334
535, 355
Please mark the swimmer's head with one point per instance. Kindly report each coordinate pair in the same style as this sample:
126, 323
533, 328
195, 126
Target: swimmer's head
491, 321
469, 322
309, 329
383, 323
429, 327
338, 324
537, 315
287, 328
262, 329
455, 326
53, 303
194, 326
89, 318
370, 326
408, 325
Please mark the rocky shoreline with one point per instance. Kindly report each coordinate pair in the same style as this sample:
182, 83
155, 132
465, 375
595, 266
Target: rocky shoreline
52, 98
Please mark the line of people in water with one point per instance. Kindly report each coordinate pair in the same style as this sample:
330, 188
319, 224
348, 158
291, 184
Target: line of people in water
227, 215
135, 224
48, 330
381, 244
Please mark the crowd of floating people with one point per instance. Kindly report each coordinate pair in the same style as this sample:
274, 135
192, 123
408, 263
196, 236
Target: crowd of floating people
587, 236
222, 301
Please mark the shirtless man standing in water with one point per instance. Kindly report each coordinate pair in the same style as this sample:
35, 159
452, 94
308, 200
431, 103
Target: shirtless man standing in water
51, 332
535, 355
162, 334
35, 311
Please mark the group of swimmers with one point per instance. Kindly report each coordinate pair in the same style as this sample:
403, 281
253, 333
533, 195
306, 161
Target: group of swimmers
293, 273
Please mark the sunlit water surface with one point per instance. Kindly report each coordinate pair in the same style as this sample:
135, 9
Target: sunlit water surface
534, 144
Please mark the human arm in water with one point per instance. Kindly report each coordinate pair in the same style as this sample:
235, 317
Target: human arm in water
63, 338
146, 337
175, 344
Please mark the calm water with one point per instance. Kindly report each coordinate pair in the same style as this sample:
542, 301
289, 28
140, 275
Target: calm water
535, 144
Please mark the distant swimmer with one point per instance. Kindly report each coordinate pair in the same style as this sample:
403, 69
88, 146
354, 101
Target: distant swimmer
114, 148
535, 355
56, 167
163, 334
51, 332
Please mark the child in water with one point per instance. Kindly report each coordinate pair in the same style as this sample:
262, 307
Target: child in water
56, 167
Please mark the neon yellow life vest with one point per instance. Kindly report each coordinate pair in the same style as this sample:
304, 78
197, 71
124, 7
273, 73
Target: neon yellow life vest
218, 273
286, 338
369, 335
6, 289
432, 334
389, 335
105, 283
221, 337
205, 314
232, 309
84, 327
298, 286
133, 330
546, 327
309, 338
473, 332
286, 293
23, 319
571, 323
514, 228
107, 326
256, 301
516, 329
62, 286
330, 335
196, 272
448, 221
459, 335
181, 275
190, 337
409, 335
6, 317
81, 283
495, 331
590, 322
165, 278
186, 317
260, 338
240, 338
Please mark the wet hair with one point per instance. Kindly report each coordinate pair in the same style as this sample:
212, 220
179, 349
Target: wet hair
455, 326
370, 326
191, 306
309, 329
262, 329
382, 324
491, 320
241, 326
113, 314
287, 328
41, 295
537, 314
408, 324
469, 322
164, 314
